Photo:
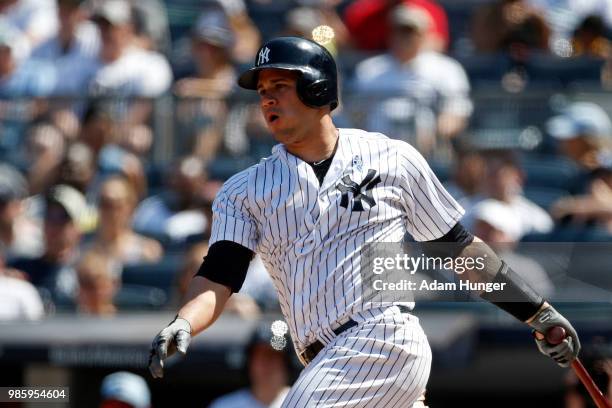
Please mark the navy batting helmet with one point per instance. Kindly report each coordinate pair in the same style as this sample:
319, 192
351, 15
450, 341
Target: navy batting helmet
317, 84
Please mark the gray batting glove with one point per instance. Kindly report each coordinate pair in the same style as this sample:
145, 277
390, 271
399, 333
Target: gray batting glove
176, 336
566, 351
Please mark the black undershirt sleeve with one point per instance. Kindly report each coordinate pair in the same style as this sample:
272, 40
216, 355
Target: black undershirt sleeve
226, 263
451, 243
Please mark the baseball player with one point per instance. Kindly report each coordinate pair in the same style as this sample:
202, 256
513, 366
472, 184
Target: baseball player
309, 210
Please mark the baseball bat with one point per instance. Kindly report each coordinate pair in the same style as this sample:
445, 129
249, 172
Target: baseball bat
556, 335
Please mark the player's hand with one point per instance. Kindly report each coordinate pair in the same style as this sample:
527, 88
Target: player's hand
176, 336
567, 350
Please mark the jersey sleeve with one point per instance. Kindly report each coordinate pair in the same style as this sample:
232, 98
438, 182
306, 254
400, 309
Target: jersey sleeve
232, 219
431, 210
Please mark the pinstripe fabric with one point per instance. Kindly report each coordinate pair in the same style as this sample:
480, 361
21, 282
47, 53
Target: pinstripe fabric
310, 243
383, 362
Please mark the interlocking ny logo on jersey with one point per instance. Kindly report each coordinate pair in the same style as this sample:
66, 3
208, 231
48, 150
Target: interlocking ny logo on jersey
264, 56
361, 191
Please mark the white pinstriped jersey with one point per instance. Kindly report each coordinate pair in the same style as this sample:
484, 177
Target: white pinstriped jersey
310, 236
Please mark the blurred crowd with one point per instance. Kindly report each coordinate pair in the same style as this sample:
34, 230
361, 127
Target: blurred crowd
120, 119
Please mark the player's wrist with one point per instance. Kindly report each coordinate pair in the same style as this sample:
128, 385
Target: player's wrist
544, 306
181, 324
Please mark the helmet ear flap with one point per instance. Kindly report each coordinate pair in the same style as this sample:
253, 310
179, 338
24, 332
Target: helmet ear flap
317, 90
313, 92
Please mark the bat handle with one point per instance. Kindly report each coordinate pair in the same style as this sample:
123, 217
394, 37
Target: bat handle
554, 335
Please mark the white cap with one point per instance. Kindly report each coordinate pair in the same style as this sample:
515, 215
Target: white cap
13, 39
116, 12
214, 28
580, 119
71, 200
410, 16
126, 387
500, 216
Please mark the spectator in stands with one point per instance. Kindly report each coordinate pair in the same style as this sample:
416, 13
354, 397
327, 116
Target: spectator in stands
20, 236
176, 212
214, 76
124, 390
35, 19
583, 131
504, 182
76, 37
495, 224
593, 207
53, 163
300, 22
468, 172
432, 81
53, 271
590, 39
151, 26
211, 81
97, 128
46, 147
318, 21
73, 50
510, 26
98, 278
368, 23
19, 300
78, 168
116, 160
268, 368
20, 77
248, 38
564, 16
124, 69
115, 237
114, 152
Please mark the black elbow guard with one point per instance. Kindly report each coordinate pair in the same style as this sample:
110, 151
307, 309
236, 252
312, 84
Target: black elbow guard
227, 264
516, 296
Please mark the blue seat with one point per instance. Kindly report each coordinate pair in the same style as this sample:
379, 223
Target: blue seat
544, 68
550, 171
159, 275
485, 69
140, 297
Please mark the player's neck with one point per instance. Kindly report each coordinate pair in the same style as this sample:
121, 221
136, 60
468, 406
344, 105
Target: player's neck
318, 143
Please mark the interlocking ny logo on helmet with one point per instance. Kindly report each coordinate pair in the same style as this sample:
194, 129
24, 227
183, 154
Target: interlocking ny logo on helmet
317, 84
264, 56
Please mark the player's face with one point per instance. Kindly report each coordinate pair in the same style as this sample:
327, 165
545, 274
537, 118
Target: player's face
285, 114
